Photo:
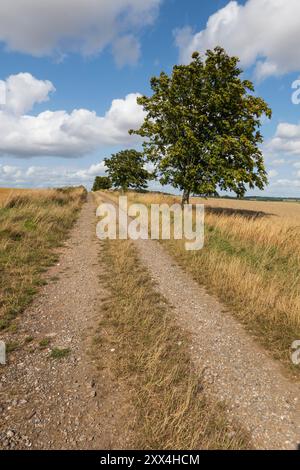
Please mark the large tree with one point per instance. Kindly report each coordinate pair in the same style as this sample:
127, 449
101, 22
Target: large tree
101, 182
202, 127
126, 169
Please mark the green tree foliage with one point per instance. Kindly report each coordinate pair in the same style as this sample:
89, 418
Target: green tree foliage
101, 182
126, 170
202, 127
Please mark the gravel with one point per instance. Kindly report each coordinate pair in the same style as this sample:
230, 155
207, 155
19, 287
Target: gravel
68, 403
238, 371
55, 403
235, 369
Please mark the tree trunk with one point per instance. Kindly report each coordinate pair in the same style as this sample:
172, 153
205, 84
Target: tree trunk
185, 197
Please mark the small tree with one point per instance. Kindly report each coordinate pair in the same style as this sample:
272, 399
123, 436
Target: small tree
126, 170
101, 182
202, 127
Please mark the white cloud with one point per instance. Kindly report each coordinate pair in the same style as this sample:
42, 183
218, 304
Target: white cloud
60, 26
278, 161
126, 50
45, 176
272, 173
22, 91
286, 139
287, 184
59, 133
261, 32
38, 176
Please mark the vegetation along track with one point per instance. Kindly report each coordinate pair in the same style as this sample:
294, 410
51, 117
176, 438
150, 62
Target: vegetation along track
95, 352
238, 370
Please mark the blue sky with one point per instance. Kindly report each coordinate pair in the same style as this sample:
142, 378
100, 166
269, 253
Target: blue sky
71, 71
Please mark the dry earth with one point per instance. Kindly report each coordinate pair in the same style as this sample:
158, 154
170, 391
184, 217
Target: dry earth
62, 403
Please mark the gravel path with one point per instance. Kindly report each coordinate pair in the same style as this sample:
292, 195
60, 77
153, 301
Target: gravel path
68, 403
236, 369
62, 403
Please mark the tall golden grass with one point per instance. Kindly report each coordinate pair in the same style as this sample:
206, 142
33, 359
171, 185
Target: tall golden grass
251, 260
32, 224
6, 193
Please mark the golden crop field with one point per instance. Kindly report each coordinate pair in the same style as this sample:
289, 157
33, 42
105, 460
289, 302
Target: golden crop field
7, 193
279, 213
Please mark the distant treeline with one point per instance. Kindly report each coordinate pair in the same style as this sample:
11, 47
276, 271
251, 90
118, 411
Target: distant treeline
263, 198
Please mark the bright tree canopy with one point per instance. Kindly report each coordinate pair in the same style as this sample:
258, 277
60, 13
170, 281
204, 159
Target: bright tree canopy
126, 169
202, 127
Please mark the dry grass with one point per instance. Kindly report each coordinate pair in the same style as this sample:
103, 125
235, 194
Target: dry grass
150, 355
32, 224
251, 260
7, 193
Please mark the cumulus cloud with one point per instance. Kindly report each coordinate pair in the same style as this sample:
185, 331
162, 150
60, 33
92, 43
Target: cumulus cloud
59, 133
261, 32
22, 91
44, 176
39, 176
286, 139
62, 26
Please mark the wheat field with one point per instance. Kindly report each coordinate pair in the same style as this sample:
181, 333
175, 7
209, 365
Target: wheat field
7, 193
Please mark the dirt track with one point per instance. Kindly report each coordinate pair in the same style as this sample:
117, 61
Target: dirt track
236, 369
62, 403
67, 403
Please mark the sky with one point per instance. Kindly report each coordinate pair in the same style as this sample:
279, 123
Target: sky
71, 70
